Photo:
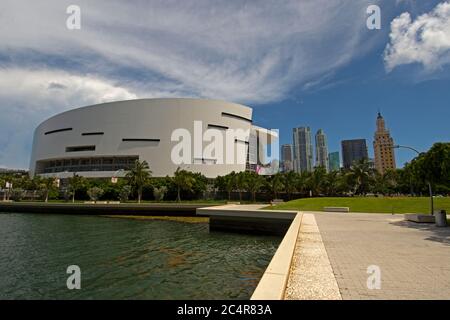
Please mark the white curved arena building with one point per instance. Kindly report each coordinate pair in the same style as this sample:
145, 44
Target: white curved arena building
104, 140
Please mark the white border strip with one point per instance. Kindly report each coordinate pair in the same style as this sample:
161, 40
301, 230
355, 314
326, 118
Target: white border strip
273, 283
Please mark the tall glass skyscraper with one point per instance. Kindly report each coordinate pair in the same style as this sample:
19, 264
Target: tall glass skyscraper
322, 150
354, 150
303, 149
334, 161
287, 163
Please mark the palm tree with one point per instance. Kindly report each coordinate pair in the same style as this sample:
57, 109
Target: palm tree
241, 183
289, 183
361, 176
317, 180
276, 184
385, 183
76, 183
46, 185
302, 182
183, 180
230, 183
138, 176
331, 183
254, 183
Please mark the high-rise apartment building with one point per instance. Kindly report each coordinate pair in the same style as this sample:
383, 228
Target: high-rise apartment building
303, 149
383, 146
334, 161
322, 150
287, 163
354, 150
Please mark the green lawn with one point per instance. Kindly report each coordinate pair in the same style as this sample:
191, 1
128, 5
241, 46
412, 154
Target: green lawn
371, 205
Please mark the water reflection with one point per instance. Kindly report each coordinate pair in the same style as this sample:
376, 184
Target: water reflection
127, 259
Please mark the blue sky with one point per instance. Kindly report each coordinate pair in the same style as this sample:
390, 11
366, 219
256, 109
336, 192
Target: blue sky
296, 63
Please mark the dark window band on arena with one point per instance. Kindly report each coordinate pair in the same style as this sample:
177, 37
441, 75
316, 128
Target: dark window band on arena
92, 133
112, 163
58, 130
139, 139
80, 148
241, 141
226, 114
215, 126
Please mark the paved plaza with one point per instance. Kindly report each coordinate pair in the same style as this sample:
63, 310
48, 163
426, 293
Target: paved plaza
413, 259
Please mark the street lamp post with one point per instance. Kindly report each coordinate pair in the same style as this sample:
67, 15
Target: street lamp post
430, 190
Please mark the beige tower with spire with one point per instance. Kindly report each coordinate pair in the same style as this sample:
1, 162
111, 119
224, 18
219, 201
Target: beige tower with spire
383, 146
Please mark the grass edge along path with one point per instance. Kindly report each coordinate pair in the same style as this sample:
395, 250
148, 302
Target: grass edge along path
367, 204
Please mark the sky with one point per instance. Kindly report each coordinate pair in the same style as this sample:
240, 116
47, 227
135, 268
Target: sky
296, 63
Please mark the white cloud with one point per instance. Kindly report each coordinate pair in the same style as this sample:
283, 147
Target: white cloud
28, 96
246, 52
240, 51
425, 40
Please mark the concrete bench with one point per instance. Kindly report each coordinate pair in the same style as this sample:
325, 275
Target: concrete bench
419, 218
276, 201
336, 209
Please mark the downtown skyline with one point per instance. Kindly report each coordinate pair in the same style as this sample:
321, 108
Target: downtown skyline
306, 152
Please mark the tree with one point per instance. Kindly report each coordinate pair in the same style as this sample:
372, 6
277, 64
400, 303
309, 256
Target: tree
183, 180
254, 183
241, 183
361, 176
124, 193
17, 194
76, 183
317, 180
46, 185
159, 193
230, 183
138, 176
386, 183
290, 183
200, 184
302, 182
95, 193
2, 186
331, 184
276, 184
434, 165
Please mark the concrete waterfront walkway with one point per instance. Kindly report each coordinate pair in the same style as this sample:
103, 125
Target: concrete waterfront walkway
327, 255
413, 259
311, 275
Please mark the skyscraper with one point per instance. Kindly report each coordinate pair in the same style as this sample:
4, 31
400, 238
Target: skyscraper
303, 149
286, 158
334, 161
383, 146
354, 150
322, 150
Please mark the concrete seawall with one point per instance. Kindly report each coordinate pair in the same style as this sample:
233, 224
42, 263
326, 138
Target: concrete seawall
248, 219
175, 209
